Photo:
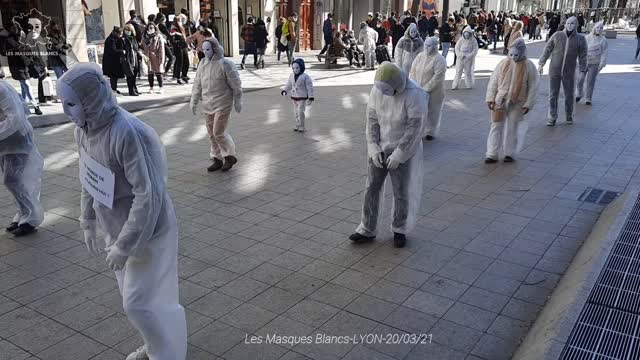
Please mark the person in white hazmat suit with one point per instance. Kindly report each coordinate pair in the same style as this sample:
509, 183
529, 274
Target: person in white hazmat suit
368, 38
466, 50
564, 48
408, 48
597, 50
394, 147
20, 161
511, 94
139, 222
217, 89
300, 87
429, 70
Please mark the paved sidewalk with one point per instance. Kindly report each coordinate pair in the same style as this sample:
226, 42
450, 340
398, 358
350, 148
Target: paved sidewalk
264, 249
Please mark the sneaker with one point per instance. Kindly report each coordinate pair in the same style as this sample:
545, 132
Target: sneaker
578, 98
37, 110
360, 239
229, 161
150, 90
161, 91
217, 165
301, 130
588, 103
551, 122
490, 161
179, 82
12, 226
296, 129
569, 120
24, 230
140, 354
508, 159
428, 137
399, 240
241, 66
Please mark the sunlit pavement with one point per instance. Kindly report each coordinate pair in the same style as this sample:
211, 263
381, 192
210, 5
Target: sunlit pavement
264, 249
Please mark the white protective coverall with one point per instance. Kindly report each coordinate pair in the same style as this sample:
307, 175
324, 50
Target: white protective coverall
466, 51
368, 38
300, 88
507, 134
19, 158
217, 89
394, 147
429, 70
564, 47
596, 61
140, 226
408, 48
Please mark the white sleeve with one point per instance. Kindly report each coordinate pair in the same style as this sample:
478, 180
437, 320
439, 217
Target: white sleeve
532, 85
605, 53
492, 87
289, 85
309, 85
196, 89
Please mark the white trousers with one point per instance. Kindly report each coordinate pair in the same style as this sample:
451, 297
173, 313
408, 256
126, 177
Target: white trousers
22, 177
434, 113
299, 108
370, 59
149, 289
504, 135
464, 66
592, 73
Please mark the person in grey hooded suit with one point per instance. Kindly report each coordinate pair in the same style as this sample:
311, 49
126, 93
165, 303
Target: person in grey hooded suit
564, 48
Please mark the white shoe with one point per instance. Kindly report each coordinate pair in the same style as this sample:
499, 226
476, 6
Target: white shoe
161, 91
140, 354
150, 90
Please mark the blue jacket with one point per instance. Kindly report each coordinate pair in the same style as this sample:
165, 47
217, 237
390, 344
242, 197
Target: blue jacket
327, 30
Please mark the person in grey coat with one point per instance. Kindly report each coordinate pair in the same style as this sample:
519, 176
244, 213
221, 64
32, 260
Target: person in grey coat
564, 48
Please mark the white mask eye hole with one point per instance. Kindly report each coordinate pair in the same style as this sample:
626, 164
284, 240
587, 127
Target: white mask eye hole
71, 104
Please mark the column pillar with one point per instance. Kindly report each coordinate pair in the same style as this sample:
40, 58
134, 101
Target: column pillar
234, 30
76, 33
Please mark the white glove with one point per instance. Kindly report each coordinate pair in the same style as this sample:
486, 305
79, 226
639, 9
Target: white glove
541, 69
376, 159
194, 108
238, 106
392, 163
115, 258
91, 240
310, 101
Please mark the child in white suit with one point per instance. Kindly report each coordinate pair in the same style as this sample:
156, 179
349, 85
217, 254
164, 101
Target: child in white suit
300, 87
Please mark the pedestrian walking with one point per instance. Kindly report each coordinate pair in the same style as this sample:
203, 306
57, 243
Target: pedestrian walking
154, 49
261, 36
217, 89
181, 52
248, 35
300, 88
132, 59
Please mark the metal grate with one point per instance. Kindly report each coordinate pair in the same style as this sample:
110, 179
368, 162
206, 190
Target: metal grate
598, 196
609, 325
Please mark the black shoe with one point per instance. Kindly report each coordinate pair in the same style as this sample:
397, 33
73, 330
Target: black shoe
37, 110
490, 161
508, 159
185, 79
569, 120
131, 93
117, 92
428, 137
12, 226
399, 240
578, 98
296, 130
229, 161
242, 66
588, 103
217, 165
360, 239
179, 82
23, 230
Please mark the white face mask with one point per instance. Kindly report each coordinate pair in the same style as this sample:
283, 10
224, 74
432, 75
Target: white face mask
515, 54
599, 28
201, 28
128, 33
72, 106
570, 25
466, 35
296, 69
295, 18
151, 31
37, 27
413, 33
385, 89
431, 49
207, 48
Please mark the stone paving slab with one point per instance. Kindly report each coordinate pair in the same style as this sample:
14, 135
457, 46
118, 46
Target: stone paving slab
264, 249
